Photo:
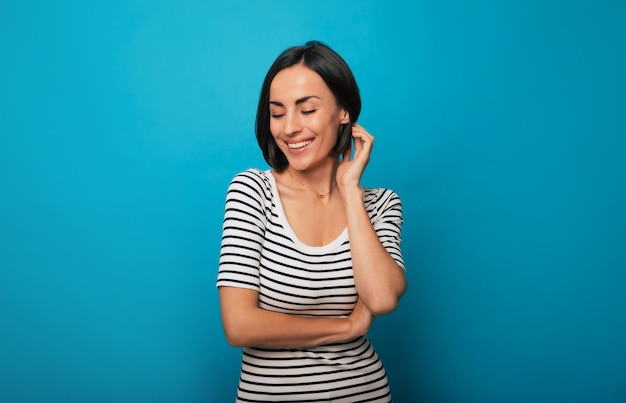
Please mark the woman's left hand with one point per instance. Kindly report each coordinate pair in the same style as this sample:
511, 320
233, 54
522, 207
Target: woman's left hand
349, 171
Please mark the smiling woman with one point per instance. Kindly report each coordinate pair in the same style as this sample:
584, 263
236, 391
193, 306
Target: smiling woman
308, 256
304, 117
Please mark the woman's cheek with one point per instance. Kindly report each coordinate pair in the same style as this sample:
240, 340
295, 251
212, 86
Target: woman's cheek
273, 129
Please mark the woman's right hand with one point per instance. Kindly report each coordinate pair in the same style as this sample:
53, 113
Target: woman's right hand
360, 319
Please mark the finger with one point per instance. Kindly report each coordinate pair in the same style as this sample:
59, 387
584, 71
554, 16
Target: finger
358, 143
359, 136
362, 134
363, 141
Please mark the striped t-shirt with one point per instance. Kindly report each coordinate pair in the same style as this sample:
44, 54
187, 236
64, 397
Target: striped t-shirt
260, 251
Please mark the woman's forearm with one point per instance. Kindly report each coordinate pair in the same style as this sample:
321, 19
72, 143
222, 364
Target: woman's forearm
247, 325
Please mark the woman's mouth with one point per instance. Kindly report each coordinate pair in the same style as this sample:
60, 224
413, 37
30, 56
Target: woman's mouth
300, 144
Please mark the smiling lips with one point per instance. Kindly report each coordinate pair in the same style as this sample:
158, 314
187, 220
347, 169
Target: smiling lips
301, 144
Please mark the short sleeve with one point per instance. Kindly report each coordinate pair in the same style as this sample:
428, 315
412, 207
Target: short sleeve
387, 221
243, 230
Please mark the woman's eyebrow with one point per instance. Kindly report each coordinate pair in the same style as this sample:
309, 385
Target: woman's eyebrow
298, 101
304, 99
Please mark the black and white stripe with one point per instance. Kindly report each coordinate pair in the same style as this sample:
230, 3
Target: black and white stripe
260, 251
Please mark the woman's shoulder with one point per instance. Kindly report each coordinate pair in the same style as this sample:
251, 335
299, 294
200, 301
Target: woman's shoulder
380, 196
382, 202
254, 174
254, 179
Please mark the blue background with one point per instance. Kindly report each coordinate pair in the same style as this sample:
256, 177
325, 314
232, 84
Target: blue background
501, 125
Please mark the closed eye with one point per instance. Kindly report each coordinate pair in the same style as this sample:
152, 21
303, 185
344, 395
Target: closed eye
277, 115
309, 112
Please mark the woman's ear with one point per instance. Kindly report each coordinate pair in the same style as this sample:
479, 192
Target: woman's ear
345, 117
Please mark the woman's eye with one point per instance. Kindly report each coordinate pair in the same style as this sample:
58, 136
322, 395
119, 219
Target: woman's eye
277, 115
309, 112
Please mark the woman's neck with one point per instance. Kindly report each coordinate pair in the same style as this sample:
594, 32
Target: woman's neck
321, 180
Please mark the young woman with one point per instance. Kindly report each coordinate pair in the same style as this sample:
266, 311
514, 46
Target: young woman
308, 256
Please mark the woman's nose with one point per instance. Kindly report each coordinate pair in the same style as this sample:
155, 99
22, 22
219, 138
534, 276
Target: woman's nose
292, 124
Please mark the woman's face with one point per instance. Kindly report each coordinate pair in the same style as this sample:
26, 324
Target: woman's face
304, 117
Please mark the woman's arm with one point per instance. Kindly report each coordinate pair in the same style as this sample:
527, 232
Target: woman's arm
379, 280
247, 325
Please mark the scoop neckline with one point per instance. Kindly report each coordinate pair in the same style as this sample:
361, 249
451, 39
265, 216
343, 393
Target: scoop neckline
339, 240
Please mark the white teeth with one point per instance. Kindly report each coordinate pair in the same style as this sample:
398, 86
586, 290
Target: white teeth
299, 145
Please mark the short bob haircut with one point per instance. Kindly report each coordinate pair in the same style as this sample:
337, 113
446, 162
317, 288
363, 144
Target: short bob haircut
337, 76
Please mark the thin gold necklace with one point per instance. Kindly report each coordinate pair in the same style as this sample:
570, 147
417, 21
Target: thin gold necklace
321, 196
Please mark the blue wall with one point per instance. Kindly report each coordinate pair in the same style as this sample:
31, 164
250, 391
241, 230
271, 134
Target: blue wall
502, 125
